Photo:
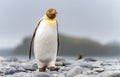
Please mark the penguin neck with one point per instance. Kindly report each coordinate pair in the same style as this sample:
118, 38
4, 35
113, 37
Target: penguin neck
50, 20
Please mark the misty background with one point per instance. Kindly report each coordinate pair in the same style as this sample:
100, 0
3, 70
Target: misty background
87, 27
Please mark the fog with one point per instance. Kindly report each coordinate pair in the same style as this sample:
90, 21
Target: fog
95, 19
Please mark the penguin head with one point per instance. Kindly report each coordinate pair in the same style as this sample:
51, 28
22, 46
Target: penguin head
51, 13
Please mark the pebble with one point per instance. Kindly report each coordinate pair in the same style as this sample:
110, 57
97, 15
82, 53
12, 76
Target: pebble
90, 59
65, 69
23, 74
8, 70
74, 71
110, 74
99, 70
81, 75
29, 66
60, 59
61, 75
59, 63
41, 74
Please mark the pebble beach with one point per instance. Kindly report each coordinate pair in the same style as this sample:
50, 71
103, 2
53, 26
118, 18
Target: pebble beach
85, 67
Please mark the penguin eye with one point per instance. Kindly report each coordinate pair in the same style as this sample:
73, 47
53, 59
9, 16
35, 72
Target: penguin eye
53, 14
49, 11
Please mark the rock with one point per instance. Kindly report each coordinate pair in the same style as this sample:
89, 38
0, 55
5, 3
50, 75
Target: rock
106, 64
17, 66
99, 70
22, 74
74, 71
9, 76
11, 67
55, 75
8, 69
77, 63
29, 66
41, 74
61, 75
66, 63
91, 65
90, 59
59, 63
112, 67
84, 64
94, 71
62, 63
110, 74
20, 69
60, 59
81, 75
65, 69
90, 72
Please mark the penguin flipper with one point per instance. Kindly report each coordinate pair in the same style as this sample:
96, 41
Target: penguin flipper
31, 42
57, 39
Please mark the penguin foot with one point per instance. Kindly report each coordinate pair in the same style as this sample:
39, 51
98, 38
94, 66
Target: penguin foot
54, 68
42, 69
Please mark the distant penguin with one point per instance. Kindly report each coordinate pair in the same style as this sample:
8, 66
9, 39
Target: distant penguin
46, 41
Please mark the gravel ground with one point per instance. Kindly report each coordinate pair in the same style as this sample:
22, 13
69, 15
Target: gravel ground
86, 67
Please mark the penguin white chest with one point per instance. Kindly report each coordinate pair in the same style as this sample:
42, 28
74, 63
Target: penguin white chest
45, 41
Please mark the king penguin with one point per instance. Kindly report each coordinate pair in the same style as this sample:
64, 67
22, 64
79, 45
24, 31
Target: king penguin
46, 41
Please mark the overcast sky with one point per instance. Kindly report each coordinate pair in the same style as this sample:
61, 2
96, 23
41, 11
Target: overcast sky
95, 19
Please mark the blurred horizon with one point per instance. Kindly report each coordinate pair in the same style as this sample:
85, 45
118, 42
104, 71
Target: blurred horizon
66, 35
97, 20
69, 46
